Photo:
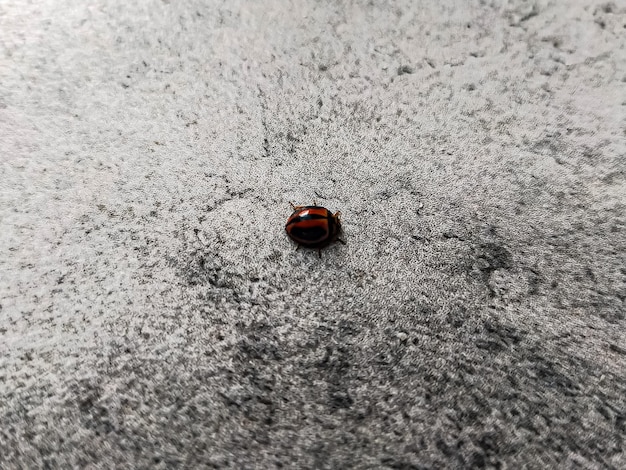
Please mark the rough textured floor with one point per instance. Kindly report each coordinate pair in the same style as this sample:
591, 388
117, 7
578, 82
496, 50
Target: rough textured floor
155, 315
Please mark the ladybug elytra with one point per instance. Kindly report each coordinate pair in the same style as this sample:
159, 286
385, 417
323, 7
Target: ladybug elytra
313, 226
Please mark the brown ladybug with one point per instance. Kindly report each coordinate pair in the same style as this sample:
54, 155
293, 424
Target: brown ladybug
313, 227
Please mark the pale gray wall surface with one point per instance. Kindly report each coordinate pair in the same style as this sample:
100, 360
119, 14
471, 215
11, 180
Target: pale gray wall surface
155, 315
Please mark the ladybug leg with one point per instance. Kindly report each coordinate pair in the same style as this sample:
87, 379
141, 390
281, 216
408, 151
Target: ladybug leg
341, 241
319, 252
297, 247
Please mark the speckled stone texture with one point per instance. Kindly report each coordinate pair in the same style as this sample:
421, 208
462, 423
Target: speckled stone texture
155, 315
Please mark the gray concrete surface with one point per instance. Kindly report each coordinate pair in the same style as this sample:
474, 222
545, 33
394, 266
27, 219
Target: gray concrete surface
155, 315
